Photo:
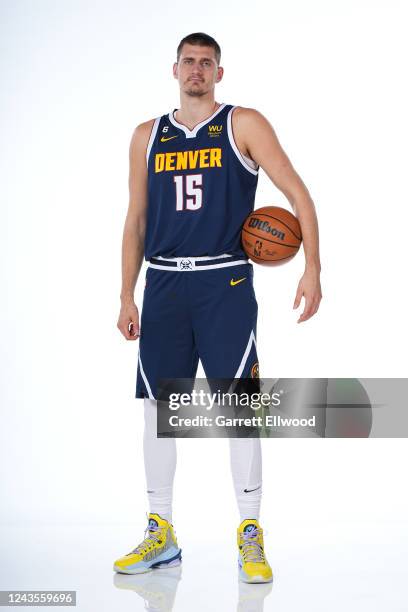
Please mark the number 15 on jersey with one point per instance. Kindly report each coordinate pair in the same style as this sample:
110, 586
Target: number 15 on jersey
189, 191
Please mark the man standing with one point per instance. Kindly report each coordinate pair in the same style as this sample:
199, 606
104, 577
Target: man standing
192, 182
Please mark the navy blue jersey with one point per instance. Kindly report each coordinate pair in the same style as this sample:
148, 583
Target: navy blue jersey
200, 188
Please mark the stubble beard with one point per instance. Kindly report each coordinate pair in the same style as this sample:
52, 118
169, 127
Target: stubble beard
195, 92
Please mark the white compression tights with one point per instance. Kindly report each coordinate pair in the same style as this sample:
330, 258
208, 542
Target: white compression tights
160, 459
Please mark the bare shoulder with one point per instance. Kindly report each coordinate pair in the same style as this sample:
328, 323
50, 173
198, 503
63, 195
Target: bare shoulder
244, 117
145, 127
140, 136
249, 127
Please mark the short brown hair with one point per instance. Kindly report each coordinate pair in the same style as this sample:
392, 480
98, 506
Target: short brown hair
203, 40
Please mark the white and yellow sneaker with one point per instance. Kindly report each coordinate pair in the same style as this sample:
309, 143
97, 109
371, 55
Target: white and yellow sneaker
158, 549
252, 563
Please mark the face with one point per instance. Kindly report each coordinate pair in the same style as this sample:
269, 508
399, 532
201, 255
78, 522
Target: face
197, 70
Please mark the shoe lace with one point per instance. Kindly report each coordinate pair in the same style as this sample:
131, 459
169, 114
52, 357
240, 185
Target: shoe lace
151, 538
251, 549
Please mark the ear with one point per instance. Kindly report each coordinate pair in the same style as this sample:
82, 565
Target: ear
220, 73
175, 70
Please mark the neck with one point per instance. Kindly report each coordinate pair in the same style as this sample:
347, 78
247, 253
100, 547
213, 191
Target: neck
193, 110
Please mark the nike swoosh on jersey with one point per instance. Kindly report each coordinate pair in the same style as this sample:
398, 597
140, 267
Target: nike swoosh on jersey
163, 139
232, 282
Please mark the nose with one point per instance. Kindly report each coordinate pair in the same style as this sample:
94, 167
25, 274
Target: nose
196, 70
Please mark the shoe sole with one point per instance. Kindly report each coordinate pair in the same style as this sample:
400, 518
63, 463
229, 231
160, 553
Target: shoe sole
172, 562
255, 580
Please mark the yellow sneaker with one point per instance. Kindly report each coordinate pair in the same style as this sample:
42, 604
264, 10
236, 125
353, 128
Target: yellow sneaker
158, 549
252, 563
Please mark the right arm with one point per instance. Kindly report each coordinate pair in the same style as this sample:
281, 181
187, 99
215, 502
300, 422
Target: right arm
134, 231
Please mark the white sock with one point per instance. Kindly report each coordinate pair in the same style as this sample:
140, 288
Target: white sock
246, 468
160, 460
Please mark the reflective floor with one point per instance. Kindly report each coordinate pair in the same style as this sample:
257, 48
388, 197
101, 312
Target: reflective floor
317, 567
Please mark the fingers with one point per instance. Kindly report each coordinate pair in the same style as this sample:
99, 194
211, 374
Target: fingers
133, 331
128, 322
129, 329
311, 308
298, 297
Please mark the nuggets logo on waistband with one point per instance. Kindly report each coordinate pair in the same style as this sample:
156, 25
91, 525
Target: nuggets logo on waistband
188, 160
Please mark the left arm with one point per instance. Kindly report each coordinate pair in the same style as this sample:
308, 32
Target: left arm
256, 138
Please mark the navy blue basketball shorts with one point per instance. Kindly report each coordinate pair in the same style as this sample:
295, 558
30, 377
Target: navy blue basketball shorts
197, 308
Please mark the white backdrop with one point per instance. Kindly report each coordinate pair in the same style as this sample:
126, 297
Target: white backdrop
77, 77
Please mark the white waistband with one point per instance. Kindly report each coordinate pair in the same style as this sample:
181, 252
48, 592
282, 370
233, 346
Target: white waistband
200, 258
188, 264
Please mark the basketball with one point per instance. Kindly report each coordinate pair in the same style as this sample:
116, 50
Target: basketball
271, 236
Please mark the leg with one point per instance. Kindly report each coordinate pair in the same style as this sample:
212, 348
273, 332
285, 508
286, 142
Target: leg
159, 547
160, 459
225, 318
166, 345
224, 322
246, 468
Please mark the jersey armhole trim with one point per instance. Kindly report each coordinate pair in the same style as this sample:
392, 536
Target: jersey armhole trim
151, 138
252, 170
